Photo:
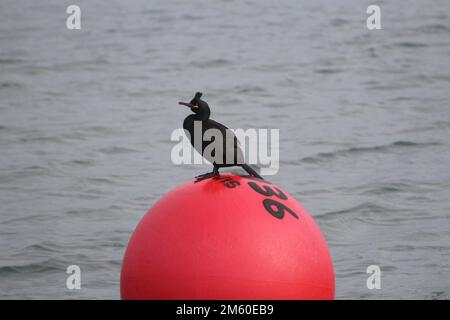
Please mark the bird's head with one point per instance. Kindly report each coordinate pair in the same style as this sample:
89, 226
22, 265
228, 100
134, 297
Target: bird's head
198, 106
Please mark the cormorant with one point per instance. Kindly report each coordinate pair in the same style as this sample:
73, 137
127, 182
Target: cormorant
202, 113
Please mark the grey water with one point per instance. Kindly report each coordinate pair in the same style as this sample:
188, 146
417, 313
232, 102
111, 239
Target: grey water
86, 117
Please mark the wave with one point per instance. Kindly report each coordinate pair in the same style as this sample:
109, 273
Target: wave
10, 61
327, 70
365, 213
43, 266
33, 139
81, 162
361, 208
437, 125
437, 27
5, 85
407, 44
28, 218
323, 156
381, 188
249, 89
212, 63
116, 150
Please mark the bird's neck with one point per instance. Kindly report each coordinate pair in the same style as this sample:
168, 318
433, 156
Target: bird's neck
203, 115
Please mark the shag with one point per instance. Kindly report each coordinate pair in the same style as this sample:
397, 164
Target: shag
202, 113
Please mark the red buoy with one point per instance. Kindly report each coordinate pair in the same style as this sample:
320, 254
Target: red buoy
228, 237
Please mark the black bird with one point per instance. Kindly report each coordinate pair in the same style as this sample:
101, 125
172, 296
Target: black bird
202, 113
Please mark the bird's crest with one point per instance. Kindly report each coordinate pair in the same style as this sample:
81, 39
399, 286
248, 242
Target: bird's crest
197, 97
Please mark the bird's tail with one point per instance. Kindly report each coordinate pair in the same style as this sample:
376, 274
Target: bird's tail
251, 171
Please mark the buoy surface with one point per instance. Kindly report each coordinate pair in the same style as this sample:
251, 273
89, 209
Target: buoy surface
229, 237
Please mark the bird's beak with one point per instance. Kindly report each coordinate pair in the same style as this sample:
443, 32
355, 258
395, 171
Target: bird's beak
187, 104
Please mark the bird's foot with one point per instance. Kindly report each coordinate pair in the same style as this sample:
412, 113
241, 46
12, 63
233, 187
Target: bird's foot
206, 176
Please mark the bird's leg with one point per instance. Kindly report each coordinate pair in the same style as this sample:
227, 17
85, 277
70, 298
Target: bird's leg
208, 175
251, 171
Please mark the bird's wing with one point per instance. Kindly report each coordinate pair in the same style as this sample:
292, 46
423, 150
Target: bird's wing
235, 153
222, 127
217, 124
